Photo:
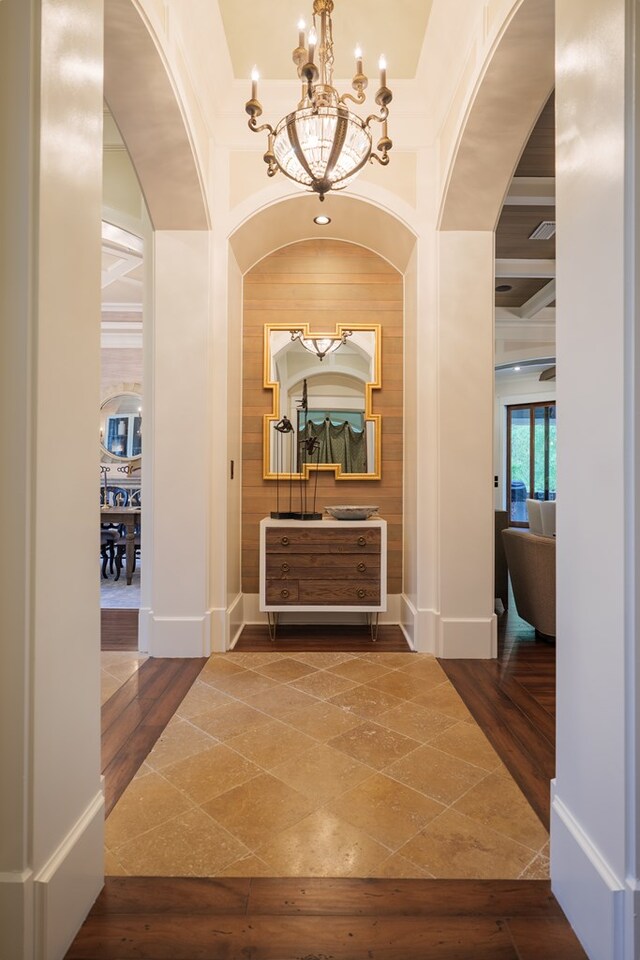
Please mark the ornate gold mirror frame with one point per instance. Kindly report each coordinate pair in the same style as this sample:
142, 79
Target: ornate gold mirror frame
270, 419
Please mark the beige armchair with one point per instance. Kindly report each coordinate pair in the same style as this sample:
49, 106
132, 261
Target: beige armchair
531, 560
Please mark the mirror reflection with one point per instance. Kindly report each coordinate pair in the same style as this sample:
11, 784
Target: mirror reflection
322, 386
121, 426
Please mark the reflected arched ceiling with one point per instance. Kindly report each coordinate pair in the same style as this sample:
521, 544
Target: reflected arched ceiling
352, 220
512, 91
144, 105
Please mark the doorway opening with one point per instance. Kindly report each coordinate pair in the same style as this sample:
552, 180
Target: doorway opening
531, 456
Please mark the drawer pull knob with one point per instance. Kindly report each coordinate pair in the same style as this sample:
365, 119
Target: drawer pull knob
285, 541
285, 567
284, 594
362, 542
361, 593
362, 567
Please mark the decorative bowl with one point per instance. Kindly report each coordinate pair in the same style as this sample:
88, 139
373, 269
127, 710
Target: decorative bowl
347, 512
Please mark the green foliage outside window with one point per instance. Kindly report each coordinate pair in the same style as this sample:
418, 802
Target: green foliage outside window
520, 451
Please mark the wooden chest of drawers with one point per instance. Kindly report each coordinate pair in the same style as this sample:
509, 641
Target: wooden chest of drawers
323, 565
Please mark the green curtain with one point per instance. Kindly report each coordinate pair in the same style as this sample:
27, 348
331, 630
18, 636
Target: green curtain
339, 443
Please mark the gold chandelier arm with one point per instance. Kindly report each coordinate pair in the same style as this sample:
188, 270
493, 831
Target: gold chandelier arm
384, 145
378, 117
253, 125
349, 96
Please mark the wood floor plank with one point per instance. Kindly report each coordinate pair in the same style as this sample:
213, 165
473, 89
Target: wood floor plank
121, 729
528, 699
510, 713
378, 897
119, 629
182, 680
176, 895
149, 681
314, 638
547, 939
162, 937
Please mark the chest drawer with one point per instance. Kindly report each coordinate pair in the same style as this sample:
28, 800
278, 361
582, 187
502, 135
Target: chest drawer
332, 541
323, 566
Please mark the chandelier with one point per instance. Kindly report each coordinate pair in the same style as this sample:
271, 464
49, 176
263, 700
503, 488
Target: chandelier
323, 144
321, 346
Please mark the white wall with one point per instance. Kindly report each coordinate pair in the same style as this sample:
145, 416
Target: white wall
51, 804
234, 451
594, 810
465, 443
178, 621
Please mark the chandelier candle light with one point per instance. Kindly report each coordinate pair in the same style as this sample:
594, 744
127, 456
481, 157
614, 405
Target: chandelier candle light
323, 144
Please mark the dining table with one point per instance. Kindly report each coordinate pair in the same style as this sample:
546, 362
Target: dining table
129, 518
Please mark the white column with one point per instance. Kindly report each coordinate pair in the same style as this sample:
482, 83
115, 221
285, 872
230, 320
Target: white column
179, 440
51, 805
594, 855
467, 623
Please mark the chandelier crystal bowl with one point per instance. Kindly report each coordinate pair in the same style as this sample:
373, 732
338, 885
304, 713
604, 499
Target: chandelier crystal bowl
323, 145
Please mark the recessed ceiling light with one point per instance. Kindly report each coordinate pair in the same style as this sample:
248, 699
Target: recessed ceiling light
516, 368
322, 221
504, 288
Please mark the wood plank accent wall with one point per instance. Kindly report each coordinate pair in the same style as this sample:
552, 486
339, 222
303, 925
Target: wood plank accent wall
119, 365
323, 282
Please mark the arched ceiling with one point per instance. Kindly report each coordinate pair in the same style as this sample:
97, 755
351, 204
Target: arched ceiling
146, 110
352, 219
515, 86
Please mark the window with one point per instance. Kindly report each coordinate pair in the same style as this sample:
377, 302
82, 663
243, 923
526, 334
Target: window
531, 456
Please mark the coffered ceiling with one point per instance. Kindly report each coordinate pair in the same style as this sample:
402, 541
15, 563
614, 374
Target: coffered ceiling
525, 266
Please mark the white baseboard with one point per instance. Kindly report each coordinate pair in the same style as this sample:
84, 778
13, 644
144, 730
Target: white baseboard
235, 620
16, 914
408, 620
426, 630
179, 636
587, 889
66, 887
473, 639
218, 631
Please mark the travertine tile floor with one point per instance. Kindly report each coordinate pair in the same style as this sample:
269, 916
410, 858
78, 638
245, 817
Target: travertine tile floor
330, 765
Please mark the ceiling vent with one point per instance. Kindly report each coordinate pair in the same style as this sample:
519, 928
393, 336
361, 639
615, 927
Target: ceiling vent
544, 230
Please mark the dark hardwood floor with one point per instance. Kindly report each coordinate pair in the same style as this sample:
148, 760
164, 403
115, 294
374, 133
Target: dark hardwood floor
513, 699
261, 919
118, 629
312, 638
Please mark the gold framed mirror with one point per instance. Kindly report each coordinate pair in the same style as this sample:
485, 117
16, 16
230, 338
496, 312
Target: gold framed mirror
322, 387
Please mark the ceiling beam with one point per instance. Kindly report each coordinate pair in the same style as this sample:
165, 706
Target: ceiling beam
538, 301
119, 270
526, 268
531, 192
